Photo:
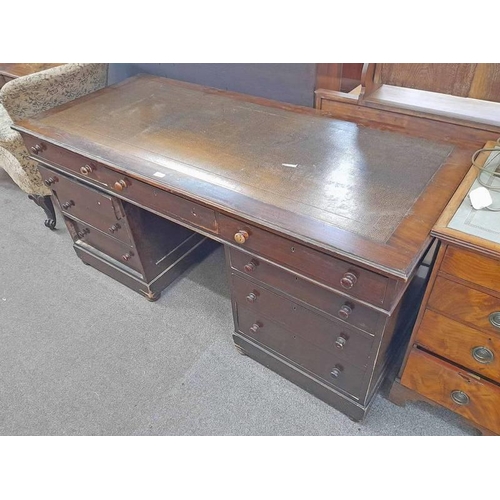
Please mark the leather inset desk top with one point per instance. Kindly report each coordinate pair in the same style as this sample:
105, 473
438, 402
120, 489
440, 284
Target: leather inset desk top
346, 188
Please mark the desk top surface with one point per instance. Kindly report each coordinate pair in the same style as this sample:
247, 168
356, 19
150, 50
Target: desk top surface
367, 194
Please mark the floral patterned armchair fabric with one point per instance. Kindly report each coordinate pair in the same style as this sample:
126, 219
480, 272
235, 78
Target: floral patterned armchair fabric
29, 95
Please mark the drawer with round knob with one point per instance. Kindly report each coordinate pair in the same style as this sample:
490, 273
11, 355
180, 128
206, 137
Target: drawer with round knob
127, 255
334, 304
330, 367
89, 205
341, 275
476, 350
457, 389
329, 335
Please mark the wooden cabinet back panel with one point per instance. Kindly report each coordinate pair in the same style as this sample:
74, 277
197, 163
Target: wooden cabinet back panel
367, 286
472, 267
461, 344
317, 361
326, 334
464, 304
440, 381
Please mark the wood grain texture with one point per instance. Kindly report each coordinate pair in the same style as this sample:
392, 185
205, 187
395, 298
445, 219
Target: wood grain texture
436, 380
464, 304
149, 124
16, 70
455, 341
470, 266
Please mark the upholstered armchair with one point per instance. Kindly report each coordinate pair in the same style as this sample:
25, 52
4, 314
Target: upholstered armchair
27, 96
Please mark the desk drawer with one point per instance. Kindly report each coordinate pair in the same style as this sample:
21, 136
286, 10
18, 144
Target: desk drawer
472, 267
338, 274
332, 303
453, 388
477, 351
466, 305
125, 254
330, 368
136, 191
90, 206
326, 334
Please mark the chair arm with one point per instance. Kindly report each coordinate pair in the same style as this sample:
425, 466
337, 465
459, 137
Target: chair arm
29, 95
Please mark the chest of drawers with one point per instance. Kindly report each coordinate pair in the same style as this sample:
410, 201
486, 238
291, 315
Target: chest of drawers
322, 256
453, 359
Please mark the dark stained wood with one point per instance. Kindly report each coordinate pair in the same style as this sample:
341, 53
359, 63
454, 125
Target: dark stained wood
335, 217
309, 292
16, 70
318, 330
219, 169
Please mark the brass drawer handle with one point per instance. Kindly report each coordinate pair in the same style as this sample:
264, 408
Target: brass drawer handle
460, 397
241, 237
483, 355
495, 319
348, 280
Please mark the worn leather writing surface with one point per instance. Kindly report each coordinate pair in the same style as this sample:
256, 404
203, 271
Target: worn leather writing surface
346, 188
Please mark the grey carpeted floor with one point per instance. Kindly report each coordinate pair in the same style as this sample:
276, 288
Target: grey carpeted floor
81, 354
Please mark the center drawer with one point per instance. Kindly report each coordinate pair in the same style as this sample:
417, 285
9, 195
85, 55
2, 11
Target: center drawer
346, 343
340, 275
320, 363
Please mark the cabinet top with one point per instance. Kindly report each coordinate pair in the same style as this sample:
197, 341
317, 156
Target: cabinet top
367, 194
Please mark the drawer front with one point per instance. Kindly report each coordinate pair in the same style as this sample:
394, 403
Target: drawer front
455, 389
477, 351
136, 191
351, 312
328, 335
472, 267
338, 274
466, 305
115, 249
318, 362
90, 206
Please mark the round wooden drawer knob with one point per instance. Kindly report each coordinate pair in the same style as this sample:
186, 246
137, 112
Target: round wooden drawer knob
251, 297
83, 232
120, 185
114, 228
241, 237
68, 204
348, 280
37, 148
250, 267
50, 181
335, 373
460, 397
127, 256
255, 327
483, 355
345, 311
340, 342
86, 170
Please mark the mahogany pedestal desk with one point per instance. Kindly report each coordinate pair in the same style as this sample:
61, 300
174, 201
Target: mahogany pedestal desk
453, 358
324, 221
